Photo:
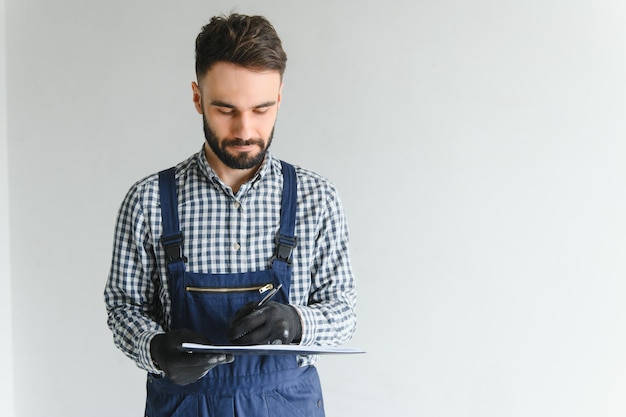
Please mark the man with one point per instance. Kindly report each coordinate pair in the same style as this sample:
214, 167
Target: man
197, 246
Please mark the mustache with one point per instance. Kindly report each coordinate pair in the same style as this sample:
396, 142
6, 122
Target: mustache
242, 142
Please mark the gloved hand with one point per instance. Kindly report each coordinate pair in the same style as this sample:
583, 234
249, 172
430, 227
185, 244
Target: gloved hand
183, 368
274, 323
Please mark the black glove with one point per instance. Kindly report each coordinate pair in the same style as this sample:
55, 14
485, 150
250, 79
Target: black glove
183, 368
274, 323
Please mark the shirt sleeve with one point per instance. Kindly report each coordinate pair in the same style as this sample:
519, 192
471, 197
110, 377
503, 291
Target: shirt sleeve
134, 314
329, 318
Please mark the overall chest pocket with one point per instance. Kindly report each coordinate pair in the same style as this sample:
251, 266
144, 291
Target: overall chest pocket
209, 302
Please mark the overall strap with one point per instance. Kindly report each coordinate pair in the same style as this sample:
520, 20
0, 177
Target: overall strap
171, 237
286, 240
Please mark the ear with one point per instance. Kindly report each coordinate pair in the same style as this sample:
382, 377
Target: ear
280, 95
197, 97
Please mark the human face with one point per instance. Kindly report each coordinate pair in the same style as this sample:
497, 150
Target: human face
239, 108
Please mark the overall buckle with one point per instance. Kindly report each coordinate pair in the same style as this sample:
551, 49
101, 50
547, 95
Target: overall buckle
173, 248
284, 248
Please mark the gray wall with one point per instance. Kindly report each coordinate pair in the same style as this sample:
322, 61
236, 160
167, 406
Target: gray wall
6, 347
479, 149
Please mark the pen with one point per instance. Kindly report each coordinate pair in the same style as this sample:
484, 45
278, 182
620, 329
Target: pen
247, 310
268, 297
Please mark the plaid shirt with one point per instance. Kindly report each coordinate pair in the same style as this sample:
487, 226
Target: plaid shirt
230, 233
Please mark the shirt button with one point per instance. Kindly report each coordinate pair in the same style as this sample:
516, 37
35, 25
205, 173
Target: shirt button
236, 246
237, 204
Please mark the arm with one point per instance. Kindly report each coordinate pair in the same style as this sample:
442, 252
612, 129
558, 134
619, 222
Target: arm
329, 317
135, 314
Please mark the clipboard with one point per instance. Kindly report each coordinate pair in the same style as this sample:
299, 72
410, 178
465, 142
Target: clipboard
269, 349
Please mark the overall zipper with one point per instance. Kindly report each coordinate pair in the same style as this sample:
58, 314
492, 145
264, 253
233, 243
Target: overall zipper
260, 288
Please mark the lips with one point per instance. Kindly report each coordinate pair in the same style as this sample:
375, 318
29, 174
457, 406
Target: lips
244, 148
243, 145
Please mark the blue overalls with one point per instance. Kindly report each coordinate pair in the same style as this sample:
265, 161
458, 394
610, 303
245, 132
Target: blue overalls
251, 386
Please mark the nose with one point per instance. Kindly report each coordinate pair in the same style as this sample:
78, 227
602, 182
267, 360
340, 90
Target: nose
243, 126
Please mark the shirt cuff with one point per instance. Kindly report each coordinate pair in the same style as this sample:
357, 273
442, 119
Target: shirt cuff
145, 360
308, 325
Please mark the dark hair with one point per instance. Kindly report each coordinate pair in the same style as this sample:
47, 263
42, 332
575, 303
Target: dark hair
249, 41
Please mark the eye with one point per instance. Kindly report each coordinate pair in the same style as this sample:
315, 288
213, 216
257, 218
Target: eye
261, 110
227, 111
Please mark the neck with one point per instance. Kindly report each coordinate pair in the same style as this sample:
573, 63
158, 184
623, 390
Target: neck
234, 178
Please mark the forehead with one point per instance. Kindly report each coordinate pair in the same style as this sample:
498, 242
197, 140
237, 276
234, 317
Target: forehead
240, 86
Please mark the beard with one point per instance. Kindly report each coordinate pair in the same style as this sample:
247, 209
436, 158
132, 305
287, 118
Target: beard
239, 160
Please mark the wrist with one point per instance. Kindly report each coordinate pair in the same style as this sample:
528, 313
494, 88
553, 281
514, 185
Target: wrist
307, 325
296, 324
154, 352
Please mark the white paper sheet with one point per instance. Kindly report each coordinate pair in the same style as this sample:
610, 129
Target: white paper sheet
269, 349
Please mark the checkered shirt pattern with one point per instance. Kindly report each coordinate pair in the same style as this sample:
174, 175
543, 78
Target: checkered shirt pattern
230, 233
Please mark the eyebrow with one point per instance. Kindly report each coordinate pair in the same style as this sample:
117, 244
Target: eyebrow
219, 103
